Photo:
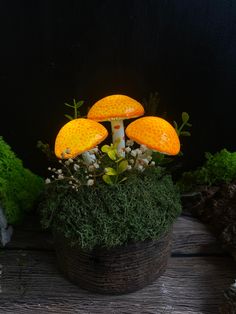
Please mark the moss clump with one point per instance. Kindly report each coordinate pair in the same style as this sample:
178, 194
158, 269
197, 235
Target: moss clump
217, 169
143, 207
19, 187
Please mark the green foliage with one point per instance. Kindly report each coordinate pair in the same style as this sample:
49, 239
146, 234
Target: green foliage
143, 207
112, 175
75, 106
19, 187
45, 148
185, 123
218, 168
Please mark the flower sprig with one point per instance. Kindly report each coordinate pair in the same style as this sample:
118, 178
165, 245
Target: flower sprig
106, 165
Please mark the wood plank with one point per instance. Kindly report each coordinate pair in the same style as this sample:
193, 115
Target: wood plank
30, 283
190, 236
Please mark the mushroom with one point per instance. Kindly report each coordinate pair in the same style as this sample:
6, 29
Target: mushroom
77, 137
116, 108
155, 133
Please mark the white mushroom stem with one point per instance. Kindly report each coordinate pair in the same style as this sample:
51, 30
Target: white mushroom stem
5, 231
88, 158
118, 135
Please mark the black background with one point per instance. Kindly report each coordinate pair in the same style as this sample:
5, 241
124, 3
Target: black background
54, 51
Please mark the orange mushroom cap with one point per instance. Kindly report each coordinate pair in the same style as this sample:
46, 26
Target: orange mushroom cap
78, 136
115, 107
155, 133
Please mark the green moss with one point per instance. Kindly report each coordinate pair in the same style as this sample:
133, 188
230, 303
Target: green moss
218, 168
140, 208
19, 187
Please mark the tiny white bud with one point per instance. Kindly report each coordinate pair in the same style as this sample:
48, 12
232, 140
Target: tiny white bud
59, 171
131, 161
70, 160
90, 182
60, 177
70, 182
91, 168
129, 167
152, 163
133, 153
128, 149
76, 167
129, 143
49, 168
143, 148
47, 181
140, 168
96, 165
145, 161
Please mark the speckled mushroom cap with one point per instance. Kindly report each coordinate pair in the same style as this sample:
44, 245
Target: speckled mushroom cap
115, 107
156, 133
78, 136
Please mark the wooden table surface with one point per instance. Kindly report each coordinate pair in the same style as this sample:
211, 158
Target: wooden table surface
197, 274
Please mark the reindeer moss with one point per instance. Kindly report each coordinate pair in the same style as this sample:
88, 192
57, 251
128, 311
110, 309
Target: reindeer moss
143, 207
19, 187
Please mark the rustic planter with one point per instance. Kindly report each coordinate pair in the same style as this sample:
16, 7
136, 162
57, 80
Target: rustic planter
117, 270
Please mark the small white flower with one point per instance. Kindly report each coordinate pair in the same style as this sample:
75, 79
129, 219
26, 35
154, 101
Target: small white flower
149, 158
90, 182
87, 177
128, 149
96, 165
47, 181
54, 169
129, 143
129, 167
67, 163
133, 153
152, 163
49, 168
94, 150
91, 168
138, 151
70, 161
143, 148
140, 168
59, 171
60, 177
53, 176
92, 157
70, 182
76, 167
131, 161
144, 161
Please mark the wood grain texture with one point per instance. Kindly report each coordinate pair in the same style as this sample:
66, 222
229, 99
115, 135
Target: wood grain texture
30, 283
196, 276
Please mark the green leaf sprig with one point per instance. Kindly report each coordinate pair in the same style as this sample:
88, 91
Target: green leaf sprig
76, 105
112, 174
185, 123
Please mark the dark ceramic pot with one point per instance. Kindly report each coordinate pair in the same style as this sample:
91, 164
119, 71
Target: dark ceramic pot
117, 270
